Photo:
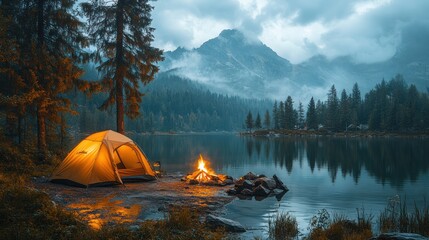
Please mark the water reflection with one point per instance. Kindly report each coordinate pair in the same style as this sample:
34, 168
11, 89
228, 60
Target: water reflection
338, 174
391, 161
106, 210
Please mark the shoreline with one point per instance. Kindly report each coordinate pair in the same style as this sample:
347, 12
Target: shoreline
325, 133
288, 133
135, 202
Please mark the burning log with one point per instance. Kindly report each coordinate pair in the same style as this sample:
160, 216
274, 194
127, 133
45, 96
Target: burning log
203, 175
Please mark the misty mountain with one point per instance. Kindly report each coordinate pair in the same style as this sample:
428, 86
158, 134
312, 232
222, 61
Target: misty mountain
231, 64
235, 64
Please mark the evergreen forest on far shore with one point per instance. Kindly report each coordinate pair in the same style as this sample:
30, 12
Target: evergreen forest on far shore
391, 106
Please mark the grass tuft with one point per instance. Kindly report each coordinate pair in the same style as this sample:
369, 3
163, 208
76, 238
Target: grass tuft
282, 226
30, 214
397, 218
180, 223
340, 228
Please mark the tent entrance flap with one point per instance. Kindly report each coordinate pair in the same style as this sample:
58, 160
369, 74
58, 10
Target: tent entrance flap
118, 161
127, 155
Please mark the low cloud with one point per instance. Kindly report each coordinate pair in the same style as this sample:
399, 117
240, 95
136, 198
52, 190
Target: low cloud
367, 30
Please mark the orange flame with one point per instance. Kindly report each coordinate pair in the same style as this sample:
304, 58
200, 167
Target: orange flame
203, 173
202, 164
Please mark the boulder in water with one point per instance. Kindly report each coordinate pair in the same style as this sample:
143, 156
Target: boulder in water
248, 184
279, 183
266, 183
261, 191
250, 176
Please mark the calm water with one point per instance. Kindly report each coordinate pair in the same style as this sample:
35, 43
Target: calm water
337, 174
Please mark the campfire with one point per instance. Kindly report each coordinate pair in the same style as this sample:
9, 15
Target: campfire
204, 175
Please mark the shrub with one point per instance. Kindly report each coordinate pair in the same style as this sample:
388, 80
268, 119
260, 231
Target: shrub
27, 213
14, 160
322, 228
180, 223
283, 226
397, 218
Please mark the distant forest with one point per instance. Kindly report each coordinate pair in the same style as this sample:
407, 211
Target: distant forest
173, 104
170, 104
390, 106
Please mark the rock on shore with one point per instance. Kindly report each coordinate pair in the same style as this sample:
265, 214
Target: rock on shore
259, 186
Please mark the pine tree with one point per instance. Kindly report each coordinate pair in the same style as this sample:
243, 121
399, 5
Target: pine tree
332, 120
14, 95
267, 120
311, 115
355, 107
49, 40
344, 108
276, 116
301, 119
377, 101
412, 105
321, 112
282, 116
258, 123
249, 121
122, 33
289, 114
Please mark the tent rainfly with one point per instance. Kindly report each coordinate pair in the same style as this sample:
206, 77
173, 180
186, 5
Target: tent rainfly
103, 158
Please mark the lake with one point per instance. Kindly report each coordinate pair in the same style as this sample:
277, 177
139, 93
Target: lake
336, 174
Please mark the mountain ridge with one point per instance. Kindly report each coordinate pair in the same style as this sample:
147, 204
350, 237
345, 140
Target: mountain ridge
235, 64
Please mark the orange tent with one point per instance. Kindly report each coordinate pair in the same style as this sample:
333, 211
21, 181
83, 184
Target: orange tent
104, 157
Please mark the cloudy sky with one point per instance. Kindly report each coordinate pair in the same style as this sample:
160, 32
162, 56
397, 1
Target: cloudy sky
367, 30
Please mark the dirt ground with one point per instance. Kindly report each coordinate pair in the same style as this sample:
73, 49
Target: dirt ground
135, 202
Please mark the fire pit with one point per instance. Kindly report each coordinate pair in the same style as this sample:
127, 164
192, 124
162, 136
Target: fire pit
206, 176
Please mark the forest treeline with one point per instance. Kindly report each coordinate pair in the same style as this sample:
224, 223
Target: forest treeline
43, 48
389, 106
172, 104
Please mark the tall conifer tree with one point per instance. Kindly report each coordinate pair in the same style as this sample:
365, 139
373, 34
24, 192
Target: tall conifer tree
276, 116
258, 122
282, 116
49, 40
289, 113
332, 111
249, 121
311, 115
344, 108
122, 34
301, 119
267, 120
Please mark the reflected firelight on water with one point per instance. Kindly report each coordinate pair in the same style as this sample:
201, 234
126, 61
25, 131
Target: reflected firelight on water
106, 211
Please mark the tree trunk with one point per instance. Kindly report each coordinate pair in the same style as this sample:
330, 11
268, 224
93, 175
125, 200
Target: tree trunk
41, 124
19, 129
63, 132
41, 133
119, 74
